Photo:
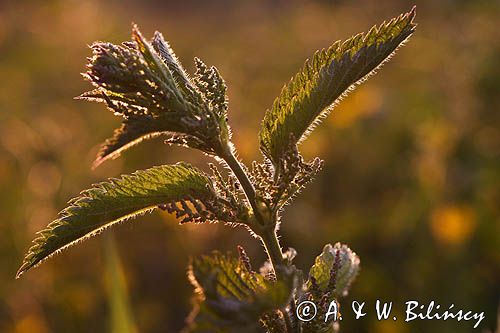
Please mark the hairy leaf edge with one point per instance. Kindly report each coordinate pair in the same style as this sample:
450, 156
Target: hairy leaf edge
29, 265
326, 111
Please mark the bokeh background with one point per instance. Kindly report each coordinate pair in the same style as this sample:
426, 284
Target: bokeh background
411, 180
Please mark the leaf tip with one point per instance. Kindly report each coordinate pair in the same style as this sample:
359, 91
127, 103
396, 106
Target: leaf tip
413, 11
136, 33
411, 16
19, 273
98, 161
157, 35
24, 267
84, 96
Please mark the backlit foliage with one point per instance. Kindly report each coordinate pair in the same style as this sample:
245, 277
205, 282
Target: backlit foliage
144, 83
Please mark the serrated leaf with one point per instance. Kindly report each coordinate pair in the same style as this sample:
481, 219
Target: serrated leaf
162, 47
116, 200
329, 279
336, 262
150, 55
277, 190
133, 131
212, 86
231, 296
325, 79
145, 84
128, 135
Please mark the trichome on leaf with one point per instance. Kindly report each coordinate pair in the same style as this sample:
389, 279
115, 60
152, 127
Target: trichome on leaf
144, 83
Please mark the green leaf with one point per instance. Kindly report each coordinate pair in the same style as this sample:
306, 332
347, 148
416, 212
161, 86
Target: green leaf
329, 279
325, 79
334, 270
129, 134
162, 47
212, 86
145, 84
116, 200
231, 297
149, 54
277, 190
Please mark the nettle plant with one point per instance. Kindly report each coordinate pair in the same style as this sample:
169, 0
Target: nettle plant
144, 83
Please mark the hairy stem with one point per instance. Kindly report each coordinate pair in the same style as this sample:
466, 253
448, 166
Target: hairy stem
273, 249
267, 232
228, 156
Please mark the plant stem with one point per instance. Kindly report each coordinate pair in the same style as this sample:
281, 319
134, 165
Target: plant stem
267, 230
267, 233
273, 249
288, 322
233, 163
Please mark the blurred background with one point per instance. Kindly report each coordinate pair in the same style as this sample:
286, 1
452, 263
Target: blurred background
411, 180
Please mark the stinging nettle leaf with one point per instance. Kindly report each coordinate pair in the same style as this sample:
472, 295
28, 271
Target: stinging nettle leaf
145, 83
277, 190
329, 279
212, 86
334, 270
325, 79
129, 134
162, 47
108, 203
232, 297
